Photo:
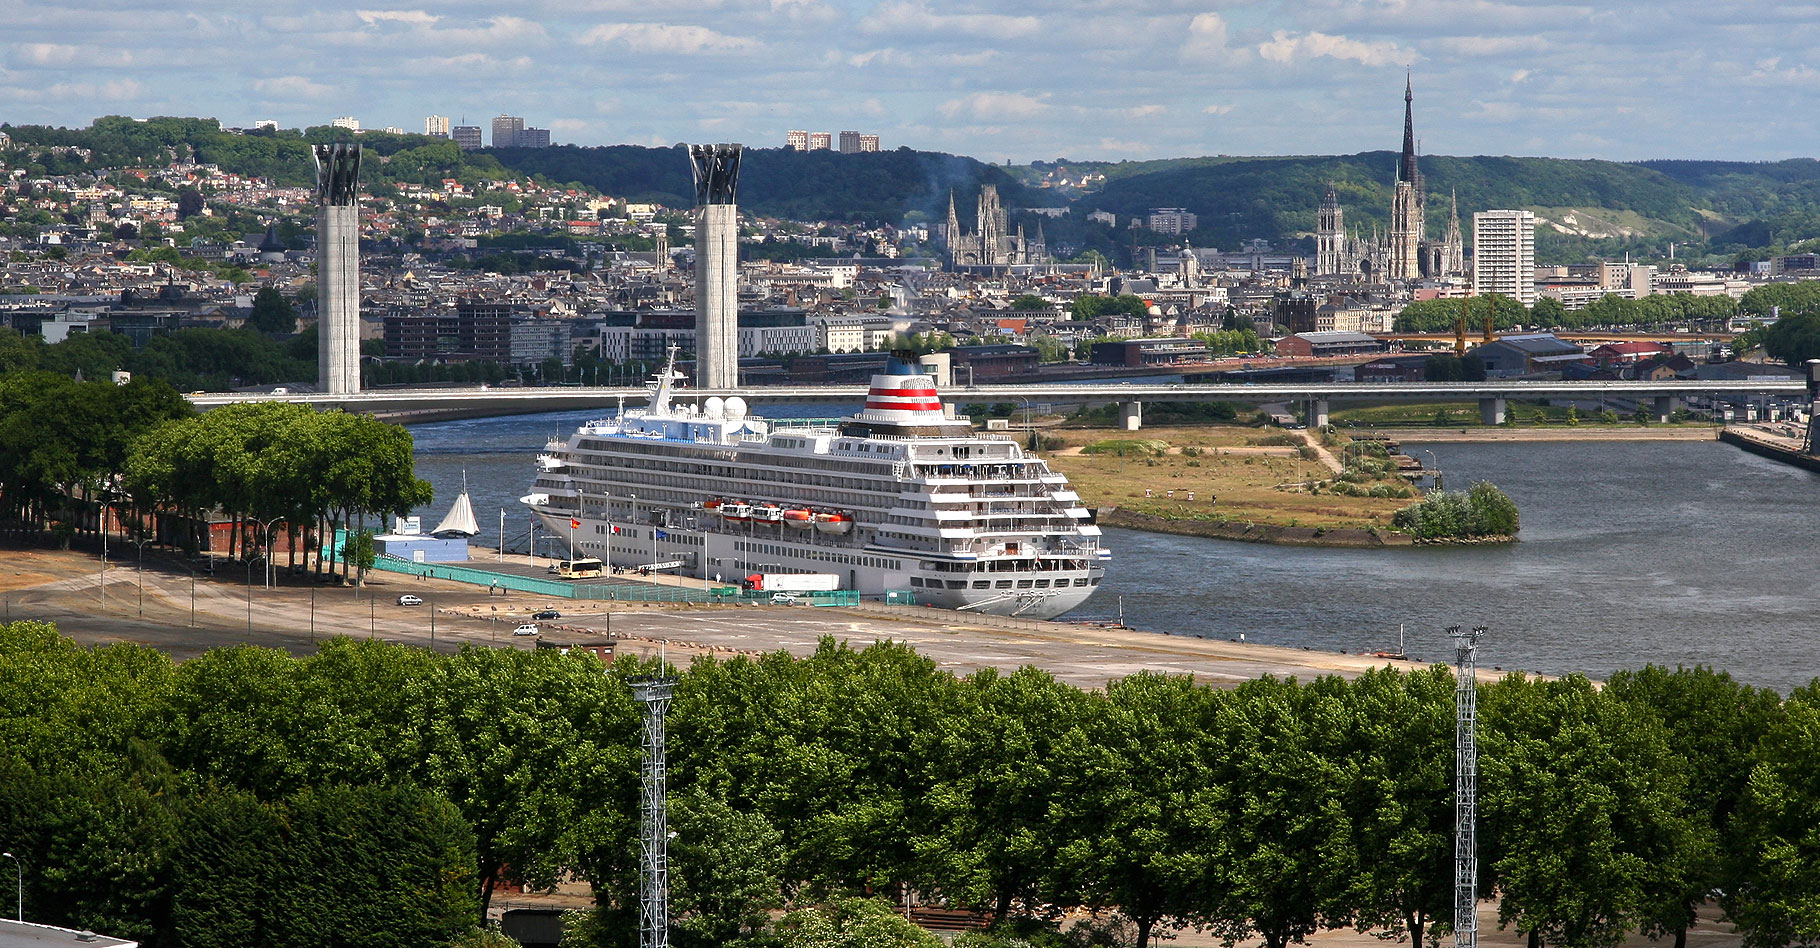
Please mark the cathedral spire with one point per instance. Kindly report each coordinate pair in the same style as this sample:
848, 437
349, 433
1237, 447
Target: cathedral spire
1406, 170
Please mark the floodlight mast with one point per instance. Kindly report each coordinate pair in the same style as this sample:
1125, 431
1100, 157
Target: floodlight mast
1466, 788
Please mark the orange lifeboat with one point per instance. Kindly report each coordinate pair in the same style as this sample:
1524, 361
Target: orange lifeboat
799, 517
833, 523
767, 514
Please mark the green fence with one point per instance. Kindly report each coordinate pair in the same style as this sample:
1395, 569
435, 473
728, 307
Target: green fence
611, 592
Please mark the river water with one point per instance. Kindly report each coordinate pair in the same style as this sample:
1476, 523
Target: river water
1665, 552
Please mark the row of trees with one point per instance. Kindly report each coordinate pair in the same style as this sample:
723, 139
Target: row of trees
186, 359
1274, 810
63, 441
1608, 311
273, 461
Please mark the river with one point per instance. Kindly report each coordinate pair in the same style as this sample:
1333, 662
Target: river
1665, 552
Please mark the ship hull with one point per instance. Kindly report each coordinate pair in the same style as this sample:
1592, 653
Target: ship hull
715, 551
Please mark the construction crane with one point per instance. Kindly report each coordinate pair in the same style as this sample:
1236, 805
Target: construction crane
1459, 326
1491, 310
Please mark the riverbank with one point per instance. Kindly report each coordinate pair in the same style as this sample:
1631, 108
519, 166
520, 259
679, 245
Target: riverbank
166, 609
1249, 532
1283, 484
1585, 433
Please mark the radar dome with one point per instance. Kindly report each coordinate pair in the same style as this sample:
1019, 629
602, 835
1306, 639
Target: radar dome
715, 406
736, 408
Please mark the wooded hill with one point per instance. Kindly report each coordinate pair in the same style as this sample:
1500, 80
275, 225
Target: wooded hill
1586, 206
1608, 208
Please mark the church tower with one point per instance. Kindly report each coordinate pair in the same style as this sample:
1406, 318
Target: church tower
1329, 235
1453, 248
1407, 202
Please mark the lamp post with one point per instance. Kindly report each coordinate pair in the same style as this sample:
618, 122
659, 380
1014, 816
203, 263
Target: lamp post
266, 533
1029, 431
139, 569
1434, 467
19, 871
103, 526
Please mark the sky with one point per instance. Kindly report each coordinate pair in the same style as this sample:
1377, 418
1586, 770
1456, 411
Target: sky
995, 79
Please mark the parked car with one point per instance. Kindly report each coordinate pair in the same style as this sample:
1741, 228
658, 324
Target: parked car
409, 600
546, 615
529, 628
783, 599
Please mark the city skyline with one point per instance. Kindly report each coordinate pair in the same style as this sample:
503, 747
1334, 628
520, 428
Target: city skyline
1005, 81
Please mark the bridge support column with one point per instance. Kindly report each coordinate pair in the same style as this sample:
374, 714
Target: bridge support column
1131, 415
1491, 410
1665, 406
1317, 413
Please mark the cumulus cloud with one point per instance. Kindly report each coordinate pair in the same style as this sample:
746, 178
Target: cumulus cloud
666, 38
915, 18
409, 17
993, 107
1206, 36
297, 88
1216, 109
1286, 47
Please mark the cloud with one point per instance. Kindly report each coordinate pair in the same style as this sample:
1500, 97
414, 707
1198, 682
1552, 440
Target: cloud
666, 38
1216, 110
914, 18
1286, 47
993, 106
1206, 36
295, 88
409, 17
43, 54
1142, 111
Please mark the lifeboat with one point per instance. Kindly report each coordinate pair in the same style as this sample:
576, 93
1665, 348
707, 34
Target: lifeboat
711, 504
833, 523
798, 517
736, 511
767, 514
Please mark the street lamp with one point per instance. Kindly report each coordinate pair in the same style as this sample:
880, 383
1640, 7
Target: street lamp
1436, 469
266, 532
139, 569
1029, 432
19, 870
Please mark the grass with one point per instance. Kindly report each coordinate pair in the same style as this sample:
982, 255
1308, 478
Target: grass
1251, 482
1465, 414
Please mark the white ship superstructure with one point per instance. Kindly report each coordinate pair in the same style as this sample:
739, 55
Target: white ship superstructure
897, 496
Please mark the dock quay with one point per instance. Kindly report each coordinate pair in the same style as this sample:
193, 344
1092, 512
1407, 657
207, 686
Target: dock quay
168, 608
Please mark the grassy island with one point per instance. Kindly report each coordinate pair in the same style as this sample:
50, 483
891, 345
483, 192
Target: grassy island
1233, 480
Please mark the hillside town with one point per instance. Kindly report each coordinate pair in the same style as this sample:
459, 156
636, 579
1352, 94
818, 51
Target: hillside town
545, 283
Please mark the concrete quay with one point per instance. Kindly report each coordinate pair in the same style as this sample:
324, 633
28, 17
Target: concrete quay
185, 617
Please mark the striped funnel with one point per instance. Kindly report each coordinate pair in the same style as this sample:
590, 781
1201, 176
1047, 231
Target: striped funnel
902, 399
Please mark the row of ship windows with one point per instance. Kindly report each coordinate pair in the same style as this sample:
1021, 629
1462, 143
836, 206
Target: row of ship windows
670, 451
826, 556
1001, 583
684, 475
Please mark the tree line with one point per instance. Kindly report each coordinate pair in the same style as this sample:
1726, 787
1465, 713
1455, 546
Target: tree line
1608, 311
68, 449
162, 801
266, 462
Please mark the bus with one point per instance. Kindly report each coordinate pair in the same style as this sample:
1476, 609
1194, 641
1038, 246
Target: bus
578, 569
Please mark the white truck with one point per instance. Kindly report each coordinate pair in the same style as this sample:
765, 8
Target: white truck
793, 582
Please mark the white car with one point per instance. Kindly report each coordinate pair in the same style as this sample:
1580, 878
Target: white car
409, 600
529, 628
783, 599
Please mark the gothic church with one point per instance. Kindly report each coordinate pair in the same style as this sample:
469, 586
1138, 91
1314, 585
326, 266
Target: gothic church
1404, 253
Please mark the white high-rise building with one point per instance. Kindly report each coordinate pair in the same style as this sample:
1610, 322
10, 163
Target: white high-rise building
348, 122
436, 126
796, 139
1504, 254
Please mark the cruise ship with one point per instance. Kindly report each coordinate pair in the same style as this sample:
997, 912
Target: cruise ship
899, 496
